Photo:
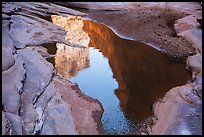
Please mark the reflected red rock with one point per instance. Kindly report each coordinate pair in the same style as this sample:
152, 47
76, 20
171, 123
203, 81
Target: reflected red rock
69, 60
143, 73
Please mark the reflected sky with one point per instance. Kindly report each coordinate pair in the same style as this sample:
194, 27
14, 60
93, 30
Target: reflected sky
97, 81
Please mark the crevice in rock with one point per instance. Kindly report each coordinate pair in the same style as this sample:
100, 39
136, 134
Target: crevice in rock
39, 122
21, 90
37, 97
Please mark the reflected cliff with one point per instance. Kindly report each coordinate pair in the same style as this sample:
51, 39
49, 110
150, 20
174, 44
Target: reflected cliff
143, 73
127, 77
68, 61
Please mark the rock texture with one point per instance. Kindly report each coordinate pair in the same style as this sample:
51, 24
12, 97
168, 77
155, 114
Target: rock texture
31, 102
33, 96
180, 111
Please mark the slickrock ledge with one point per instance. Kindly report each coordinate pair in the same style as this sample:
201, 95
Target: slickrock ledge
35, 100
180, 111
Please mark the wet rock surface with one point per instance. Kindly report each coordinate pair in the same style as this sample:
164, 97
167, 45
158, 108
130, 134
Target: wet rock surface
32, 102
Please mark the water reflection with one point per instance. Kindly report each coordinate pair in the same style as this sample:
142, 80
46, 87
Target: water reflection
69, 61
127, 77
143, 73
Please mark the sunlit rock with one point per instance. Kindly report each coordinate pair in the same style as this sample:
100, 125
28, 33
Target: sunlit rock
33, 30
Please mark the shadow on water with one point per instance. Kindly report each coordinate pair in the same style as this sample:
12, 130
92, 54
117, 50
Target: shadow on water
137, 76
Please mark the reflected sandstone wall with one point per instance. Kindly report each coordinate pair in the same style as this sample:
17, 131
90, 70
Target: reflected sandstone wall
143, 73
69, 60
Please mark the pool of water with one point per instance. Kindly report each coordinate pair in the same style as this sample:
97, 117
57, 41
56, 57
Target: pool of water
127, 77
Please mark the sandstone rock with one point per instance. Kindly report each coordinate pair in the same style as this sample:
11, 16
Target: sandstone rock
32, 30
176, 115
6, 40
41, 50
38, 75
7, 59
12, 87
41, 104
5, 125
49, 8
194, 63
58, 118
186, 23
16, 124
193, 35
86, 111
98, 5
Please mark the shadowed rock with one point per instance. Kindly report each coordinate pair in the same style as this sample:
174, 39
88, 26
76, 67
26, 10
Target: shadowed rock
7, 59
12, 86
6, 40
38, 75
6, 127
58, 120
86, 111
41, 104
16, 124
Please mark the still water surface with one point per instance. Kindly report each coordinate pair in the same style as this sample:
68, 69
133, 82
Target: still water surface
127, 77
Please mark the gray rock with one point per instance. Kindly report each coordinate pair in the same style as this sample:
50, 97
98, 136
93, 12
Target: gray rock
194, 63
6, 40
7, 59
32, 30
12, 86
58, 118
38, 76
5, 125
16, 124
41, 104
193, 35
